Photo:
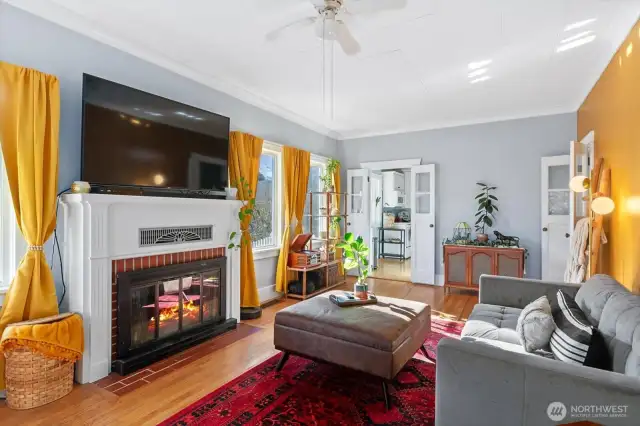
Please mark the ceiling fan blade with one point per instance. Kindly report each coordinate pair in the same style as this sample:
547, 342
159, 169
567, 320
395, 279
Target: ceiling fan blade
301, 23
373, 6
346, 40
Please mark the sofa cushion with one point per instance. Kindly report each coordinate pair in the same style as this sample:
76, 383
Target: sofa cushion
593, 295
620, 327
535, 325
493, 322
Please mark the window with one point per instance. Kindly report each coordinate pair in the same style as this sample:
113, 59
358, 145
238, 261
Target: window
265, 225
314, 201
9, 243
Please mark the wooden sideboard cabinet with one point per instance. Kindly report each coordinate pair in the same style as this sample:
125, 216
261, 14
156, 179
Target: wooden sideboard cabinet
463, 265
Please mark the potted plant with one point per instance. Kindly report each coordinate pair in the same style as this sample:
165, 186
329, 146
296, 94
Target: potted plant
327, 177
236, 239
486, 207
334, 227
356, 254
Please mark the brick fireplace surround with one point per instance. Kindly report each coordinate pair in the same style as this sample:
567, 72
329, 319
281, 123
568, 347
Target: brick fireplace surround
148, 262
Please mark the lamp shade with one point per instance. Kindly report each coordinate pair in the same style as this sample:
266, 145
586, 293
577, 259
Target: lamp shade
602, 205
579, 184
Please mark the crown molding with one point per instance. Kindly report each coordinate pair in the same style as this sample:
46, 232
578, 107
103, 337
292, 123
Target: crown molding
64, 17
360, 134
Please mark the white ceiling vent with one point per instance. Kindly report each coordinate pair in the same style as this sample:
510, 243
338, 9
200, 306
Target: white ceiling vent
178, 235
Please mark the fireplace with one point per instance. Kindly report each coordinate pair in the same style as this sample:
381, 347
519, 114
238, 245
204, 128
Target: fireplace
164, 310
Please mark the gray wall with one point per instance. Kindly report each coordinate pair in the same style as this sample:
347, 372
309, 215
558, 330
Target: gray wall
505, 154
30, 41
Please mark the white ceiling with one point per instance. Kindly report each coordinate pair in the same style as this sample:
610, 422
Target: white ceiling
410, 75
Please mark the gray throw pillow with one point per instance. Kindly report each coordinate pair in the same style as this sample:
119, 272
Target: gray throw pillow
535, 325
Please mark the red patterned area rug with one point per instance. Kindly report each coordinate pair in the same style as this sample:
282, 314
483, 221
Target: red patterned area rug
311, 393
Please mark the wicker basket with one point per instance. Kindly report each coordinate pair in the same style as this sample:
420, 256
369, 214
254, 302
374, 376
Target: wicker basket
32, 379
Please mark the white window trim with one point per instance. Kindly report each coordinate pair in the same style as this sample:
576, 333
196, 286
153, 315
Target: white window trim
274, 251
10, 237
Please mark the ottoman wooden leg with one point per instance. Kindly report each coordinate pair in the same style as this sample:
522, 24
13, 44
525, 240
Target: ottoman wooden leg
385, 391
283, 361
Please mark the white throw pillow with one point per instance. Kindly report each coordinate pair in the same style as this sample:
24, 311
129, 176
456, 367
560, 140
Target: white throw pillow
535, 325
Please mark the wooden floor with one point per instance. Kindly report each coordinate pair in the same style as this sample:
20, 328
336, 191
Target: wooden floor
393, 269
152, 403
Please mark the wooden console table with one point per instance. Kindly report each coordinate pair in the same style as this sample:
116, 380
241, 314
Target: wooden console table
463, 265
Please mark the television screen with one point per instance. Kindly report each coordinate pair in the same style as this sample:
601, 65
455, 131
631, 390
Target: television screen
135, 138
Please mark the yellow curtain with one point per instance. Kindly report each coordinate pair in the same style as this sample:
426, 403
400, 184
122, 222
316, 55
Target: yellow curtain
296, 177
338, 199
244, 162
29, 125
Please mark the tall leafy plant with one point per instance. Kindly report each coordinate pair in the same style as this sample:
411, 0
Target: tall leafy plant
327, 177
236, 239
356, 253
486, 207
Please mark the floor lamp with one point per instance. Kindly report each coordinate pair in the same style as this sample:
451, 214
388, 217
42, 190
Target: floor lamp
599, 205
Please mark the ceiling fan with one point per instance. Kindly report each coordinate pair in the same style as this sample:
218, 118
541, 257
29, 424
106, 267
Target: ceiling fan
329, 20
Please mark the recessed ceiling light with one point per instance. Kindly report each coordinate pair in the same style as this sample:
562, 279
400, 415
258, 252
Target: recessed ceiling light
576, 43
479, 64
481, 79
476, 73
579, 24
577, 36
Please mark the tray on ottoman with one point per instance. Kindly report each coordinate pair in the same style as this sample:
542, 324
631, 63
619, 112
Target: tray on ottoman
376, 339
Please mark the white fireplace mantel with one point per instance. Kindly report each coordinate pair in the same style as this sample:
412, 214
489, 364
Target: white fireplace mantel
100, 228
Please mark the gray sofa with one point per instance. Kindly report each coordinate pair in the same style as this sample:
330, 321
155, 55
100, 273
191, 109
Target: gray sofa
487, 378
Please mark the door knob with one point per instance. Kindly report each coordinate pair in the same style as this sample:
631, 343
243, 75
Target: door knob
567, 235
349, 223
431, 226
544, 229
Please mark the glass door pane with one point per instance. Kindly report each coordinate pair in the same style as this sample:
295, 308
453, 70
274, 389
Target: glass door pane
423, 182
143, 315
211, 295
356, 194
169, 307
191, 297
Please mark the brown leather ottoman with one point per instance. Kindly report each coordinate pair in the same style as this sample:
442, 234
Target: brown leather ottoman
376, 339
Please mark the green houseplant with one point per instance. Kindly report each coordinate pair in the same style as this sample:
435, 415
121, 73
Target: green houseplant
236, 239
327, 177
486, 208
356, 254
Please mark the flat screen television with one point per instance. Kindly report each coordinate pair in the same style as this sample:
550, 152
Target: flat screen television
134, 138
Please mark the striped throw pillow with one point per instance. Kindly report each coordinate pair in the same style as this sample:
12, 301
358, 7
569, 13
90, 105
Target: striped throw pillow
572, 337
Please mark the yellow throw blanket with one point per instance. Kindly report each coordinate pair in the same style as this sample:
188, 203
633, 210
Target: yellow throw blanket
60, 337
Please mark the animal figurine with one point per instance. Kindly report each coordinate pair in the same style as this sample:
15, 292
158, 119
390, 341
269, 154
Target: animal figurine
505, 240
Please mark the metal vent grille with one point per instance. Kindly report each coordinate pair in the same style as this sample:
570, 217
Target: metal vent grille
178, 235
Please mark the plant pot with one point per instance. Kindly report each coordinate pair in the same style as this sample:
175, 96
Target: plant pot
361, 290
483, 238
232, 193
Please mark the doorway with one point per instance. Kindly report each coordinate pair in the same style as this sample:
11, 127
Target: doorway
391, 224
391, 204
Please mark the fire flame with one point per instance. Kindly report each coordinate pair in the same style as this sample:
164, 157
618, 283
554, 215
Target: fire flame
190, 311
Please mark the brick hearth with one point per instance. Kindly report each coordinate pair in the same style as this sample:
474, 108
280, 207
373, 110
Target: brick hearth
148, 262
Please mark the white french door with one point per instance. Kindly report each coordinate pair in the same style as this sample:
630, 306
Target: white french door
358, 207
423, 222
555, 216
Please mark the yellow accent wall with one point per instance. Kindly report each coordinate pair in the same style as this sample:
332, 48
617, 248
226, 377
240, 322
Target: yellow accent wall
612, 110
